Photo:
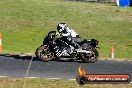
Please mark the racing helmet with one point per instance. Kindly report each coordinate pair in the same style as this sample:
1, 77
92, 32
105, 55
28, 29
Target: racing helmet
61, 27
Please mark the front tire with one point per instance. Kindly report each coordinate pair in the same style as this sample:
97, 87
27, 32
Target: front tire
43, 53
90, 59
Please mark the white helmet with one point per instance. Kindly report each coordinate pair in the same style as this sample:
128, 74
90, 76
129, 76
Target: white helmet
61, 27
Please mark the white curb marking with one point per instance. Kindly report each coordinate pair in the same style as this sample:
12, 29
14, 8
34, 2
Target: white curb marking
53, 78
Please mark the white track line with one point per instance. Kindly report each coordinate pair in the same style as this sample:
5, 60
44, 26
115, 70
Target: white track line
3, 76
71, 79
32, 77
24, 83
53, 78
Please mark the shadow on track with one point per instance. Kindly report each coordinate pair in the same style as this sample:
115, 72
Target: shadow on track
23, 57
28, 57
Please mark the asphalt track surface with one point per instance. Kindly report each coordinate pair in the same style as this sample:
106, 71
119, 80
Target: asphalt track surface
16, 66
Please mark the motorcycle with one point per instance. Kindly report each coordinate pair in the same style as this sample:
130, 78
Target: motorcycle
54, 48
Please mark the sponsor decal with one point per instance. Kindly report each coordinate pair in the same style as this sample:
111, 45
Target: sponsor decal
83, 78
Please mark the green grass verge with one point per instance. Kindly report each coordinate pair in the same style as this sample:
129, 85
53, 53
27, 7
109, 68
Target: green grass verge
44, 83
24, 23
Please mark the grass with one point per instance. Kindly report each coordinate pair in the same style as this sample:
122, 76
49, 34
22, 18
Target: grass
24, 23
44, 83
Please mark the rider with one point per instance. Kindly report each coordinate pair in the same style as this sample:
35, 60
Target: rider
69, 35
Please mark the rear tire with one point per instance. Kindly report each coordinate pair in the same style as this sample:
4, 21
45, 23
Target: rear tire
90, 59
43, 53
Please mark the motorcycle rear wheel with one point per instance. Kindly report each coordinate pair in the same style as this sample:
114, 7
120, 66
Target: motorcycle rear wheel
90, 59
43, 53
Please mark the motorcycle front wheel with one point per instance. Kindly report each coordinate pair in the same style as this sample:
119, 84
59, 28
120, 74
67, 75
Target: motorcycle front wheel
90, 59
43, 53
